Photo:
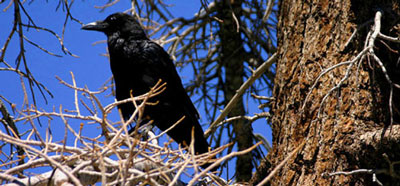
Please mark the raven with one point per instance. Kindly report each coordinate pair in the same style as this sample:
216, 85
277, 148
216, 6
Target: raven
137, 64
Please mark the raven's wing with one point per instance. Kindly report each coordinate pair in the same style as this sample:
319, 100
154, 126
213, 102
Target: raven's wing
152, 63
164, 68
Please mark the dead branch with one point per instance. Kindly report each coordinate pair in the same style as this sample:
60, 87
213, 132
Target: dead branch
257, 73
281, 164
94, 160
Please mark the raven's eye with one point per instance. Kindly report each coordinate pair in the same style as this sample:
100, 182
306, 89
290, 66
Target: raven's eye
113, 18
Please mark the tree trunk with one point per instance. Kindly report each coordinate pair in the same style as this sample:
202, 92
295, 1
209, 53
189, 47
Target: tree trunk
344, 128
232, 59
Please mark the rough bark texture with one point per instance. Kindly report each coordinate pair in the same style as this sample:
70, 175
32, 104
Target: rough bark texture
312, 37
232, 59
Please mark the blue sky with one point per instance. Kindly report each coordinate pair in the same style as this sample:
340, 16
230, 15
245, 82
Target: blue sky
90, 68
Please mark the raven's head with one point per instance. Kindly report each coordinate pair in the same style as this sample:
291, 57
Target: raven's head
118, 23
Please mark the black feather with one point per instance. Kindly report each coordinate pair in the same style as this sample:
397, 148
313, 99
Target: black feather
137, 64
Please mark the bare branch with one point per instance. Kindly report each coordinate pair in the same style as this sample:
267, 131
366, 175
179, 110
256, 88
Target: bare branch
257, 73
281, 164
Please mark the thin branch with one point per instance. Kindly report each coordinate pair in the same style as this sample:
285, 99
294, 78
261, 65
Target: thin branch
220, 160
257, 74
281, 164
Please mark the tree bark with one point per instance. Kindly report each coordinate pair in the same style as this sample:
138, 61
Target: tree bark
344, 129
232, 59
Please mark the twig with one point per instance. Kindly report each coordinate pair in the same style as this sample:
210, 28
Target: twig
257, 73
20, 143
358, 171
281, 164
219, 161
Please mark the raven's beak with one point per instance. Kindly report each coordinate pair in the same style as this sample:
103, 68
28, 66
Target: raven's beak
98, 26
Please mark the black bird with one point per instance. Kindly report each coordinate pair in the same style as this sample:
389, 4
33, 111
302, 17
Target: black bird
137, 63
